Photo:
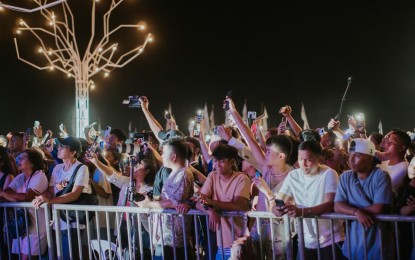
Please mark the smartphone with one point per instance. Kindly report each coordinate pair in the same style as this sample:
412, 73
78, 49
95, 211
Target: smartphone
228, 95
360, 118
107, 132
279, 203
196, 129
167, 114
215, 130
36, 125
28, 130
46, 137
258, 174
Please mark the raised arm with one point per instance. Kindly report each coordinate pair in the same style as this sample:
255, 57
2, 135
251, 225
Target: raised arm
153, 123
246, 133
294, 125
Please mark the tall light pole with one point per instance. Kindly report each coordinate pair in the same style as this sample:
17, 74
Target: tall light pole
62, 51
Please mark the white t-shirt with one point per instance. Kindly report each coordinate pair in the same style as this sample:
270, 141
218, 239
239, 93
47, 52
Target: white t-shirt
59, 176
397, 173
310, 191
38, 183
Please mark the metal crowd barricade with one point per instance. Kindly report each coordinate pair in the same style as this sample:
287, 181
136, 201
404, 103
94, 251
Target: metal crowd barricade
92, 245
393, 219
8, 211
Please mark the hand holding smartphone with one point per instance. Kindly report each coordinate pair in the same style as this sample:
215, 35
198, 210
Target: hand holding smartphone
279, 203
228, 95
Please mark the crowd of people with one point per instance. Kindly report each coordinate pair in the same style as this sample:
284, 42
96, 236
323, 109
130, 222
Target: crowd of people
284, 170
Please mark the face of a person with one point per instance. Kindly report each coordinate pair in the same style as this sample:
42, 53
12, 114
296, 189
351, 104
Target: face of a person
392, 144
272, 155
325, 141
109, 156
222, 166
24, 164
64, 152
167, 154
113, 141
153, 142
248, 169
140, 171
308, 161
16, 144
360, 162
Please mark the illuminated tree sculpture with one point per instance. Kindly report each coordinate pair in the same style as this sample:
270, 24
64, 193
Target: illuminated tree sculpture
44, 5
62, 54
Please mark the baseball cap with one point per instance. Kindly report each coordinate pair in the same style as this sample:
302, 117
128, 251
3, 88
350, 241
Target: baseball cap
72, 142
166, 135
364, 146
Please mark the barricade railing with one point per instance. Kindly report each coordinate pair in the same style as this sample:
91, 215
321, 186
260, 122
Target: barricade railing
97, 241
35, 222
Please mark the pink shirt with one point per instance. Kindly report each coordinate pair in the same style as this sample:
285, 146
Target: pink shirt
226, 191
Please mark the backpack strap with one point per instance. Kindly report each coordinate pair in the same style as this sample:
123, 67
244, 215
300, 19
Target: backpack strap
360, 188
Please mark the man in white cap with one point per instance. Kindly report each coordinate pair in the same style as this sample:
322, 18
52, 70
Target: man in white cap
365, 191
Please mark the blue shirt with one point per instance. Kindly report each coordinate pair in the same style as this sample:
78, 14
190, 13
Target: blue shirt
378, 188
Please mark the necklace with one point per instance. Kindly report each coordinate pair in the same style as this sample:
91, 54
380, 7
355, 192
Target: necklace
281, 174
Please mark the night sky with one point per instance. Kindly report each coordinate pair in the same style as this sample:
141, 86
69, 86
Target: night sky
270, 52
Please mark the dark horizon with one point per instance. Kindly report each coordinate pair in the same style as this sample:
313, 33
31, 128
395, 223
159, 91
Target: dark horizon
271, 53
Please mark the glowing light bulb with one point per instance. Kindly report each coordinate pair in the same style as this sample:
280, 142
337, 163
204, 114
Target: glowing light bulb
96, 69
21, 22
18, 31
50, 52
114, 48
106, 74
40, 50
51, 68
140, 50
150, 39
93, 86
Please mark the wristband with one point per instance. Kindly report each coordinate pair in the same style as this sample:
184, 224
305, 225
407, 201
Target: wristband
354, 211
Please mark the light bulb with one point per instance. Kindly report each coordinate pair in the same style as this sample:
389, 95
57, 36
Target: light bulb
114, 48
100, 49
106, 74
40, 50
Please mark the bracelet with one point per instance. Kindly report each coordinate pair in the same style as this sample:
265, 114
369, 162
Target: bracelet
354, 211
272, 199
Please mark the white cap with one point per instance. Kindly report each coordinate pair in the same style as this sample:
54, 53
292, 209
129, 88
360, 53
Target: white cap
364, 146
